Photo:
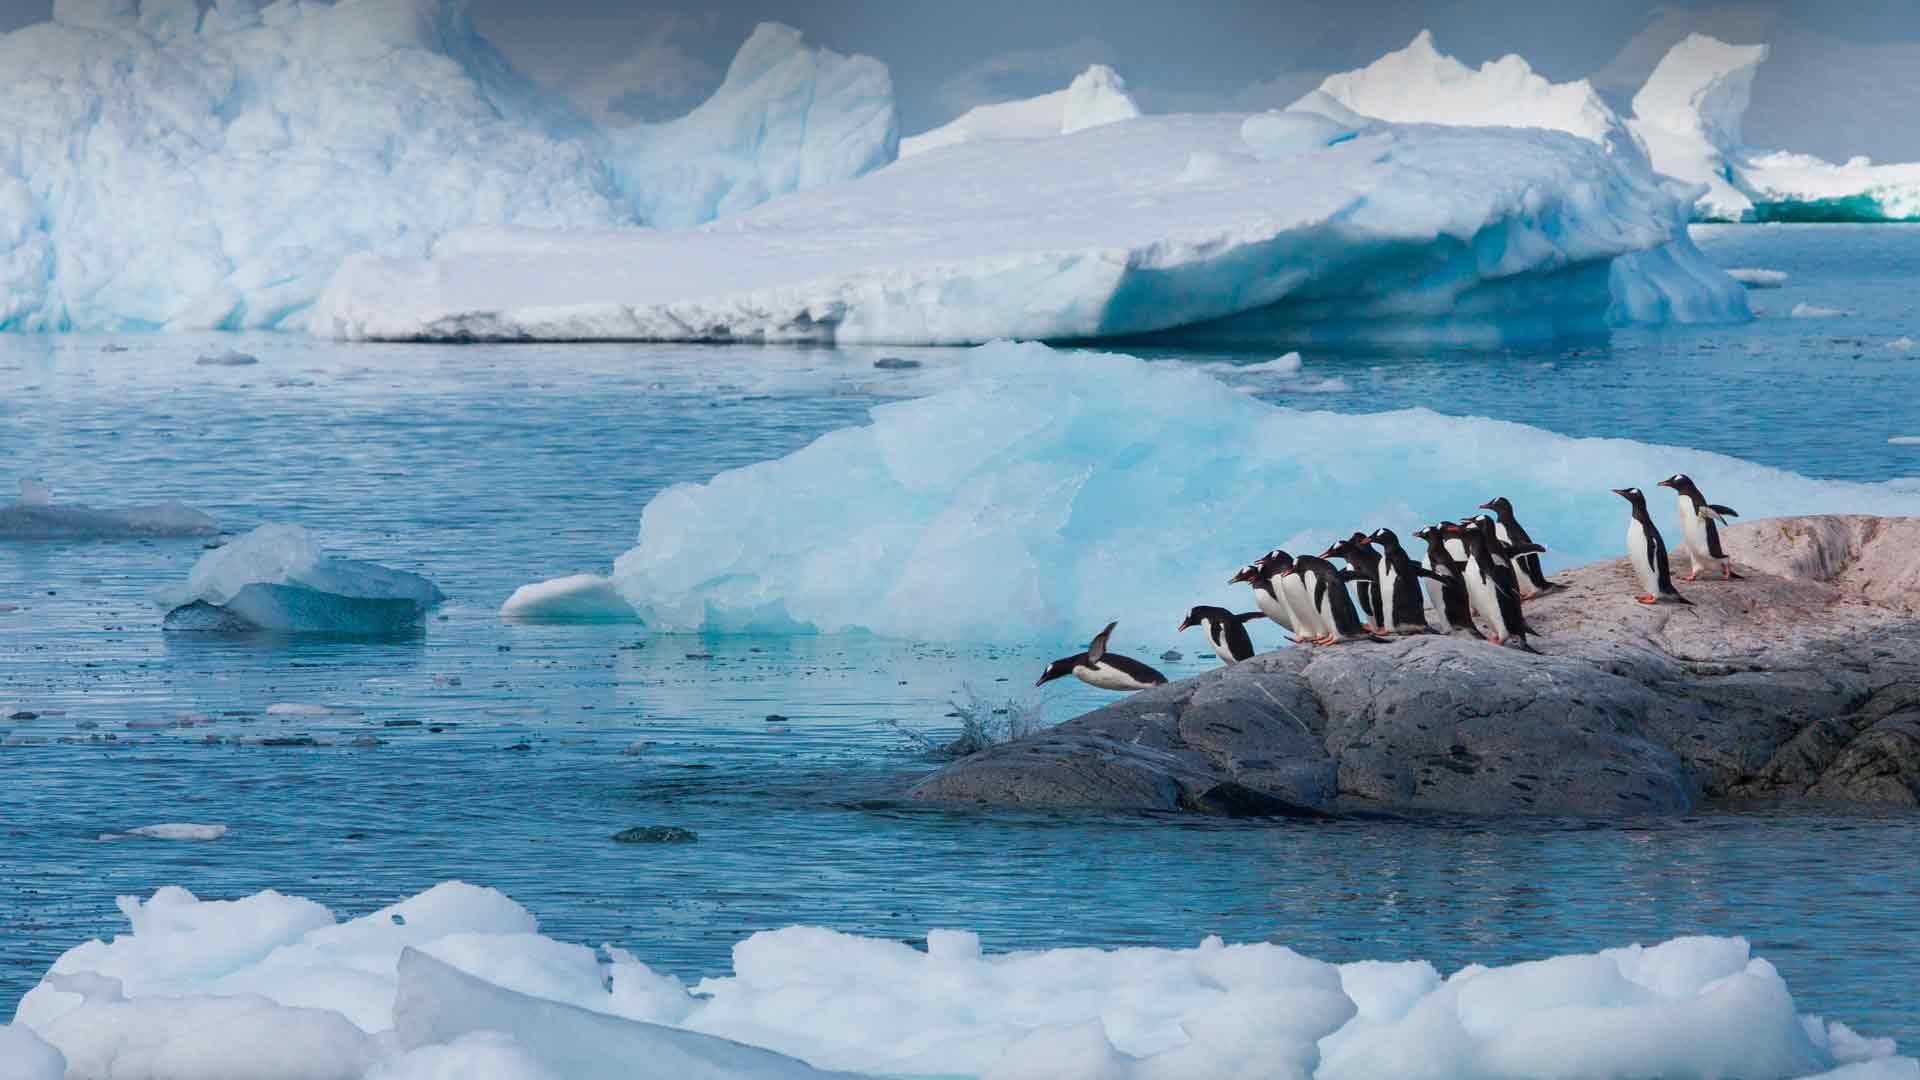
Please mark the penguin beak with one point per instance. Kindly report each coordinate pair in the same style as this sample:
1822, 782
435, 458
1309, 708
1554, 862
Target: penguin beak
1622, 492
1664, 484
1184, 624
1488, 505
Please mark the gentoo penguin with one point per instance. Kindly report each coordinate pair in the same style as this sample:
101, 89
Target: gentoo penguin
1446, 589
1498, 604
1331, 602
1507, 530
1700, 523
1363, 570
1648, 553
1106, 670
1226, 631
1504, 554
1266, 590
1401, 610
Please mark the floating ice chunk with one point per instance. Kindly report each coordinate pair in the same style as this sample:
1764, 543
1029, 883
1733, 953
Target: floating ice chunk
1279, 134
274, 578
180, 831
24, 1056
299, 708
1904, 344
1004, 509
1280, 365
580, 598
227, 358
1904, 440
1097, 96
37, 517
1754, 278
1805, 310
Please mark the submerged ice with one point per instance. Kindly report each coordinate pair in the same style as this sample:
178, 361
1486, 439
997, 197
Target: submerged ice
276, 578
35, 515
1056, 491
459, 981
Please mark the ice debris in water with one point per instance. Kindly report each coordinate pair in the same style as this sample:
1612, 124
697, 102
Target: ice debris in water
580, 598
35, 516
459, 977
274, 578
227, 358
180, 831
1905, 440
1813, 311
1005, 509
1754, 278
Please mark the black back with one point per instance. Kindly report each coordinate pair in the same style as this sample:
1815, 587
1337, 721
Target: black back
1223, 627
1366, 571
1453, 588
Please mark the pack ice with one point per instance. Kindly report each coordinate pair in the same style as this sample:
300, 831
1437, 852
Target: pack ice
162, 167
1222, 227
275, 578
1055, 491
458, 981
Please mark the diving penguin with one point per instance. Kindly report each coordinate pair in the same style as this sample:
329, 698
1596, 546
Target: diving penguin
1648, 553
1106, 670
1507, 530
1699, 527
1446, 588
1226, 631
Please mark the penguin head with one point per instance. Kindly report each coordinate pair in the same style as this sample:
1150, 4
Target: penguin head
1632, 495
1194, 617
1680, 482
1498, 505
1248, 573
1059, 669
1386, 538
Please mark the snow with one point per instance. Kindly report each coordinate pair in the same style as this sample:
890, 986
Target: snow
35, 516
167, 170
1754, 278
1398, 233
276, 578
1421, 85
180, 831
1004, 509
458, 981
1096, 96
580, 598
787, 118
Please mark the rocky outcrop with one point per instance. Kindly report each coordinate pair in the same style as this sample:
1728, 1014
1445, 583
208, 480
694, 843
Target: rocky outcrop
1801, 680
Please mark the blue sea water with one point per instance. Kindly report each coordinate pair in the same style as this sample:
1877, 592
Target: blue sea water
501, 757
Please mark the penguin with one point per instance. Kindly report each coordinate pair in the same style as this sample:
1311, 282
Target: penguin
1507, 530
1700, 523
1364, 573
1401, 610
1648, 553
1498, 604
1106, 670
1226, 631
1331, 603
1287, 605
1446, 589
1264, 594
1503, 554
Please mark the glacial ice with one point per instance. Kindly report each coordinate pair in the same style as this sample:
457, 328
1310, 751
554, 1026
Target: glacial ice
1096, 96
1056, 491
168, 169
580, 598
35, 516
457, 981
274, 578
1399, 232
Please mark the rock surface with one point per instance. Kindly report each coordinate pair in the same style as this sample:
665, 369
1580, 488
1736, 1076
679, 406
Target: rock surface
1802, 680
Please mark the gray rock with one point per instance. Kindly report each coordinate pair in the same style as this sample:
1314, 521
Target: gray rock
655, 834
1801, 681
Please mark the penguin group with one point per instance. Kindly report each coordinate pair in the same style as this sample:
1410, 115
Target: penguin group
1476, 573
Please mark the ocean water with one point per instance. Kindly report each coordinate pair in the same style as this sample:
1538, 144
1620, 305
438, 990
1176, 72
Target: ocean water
502, 748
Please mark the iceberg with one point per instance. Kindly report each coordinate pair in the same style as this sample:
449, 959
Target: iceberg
458, 980
1007, 508
274, 578
168, 169
1096, 96
1159, 225
35, 516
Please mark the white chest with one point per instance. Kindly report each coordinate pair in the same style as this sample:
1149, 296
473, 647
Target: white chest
1693, 527
1106, 677
1640, 554
1217, 634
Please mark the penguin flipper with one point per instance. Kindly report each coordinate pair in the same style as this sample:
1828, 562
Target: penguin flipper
1525, 549
1246, 617
1097, 648
1723, 511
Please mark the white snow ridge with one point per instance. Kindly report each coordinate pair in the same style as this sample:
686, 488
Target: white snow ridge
458, 981
1097, 96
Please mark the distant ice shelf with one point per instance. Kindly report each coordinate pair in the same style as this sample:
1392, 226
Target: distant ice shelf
1221, 228
459, 981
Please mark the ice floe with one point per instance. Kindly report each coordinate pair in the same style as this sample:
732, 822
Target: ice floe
275, 578
1060, 490
1097, 96
580, 598
1755, 278
1805, 310
1395, 232
36, 516
459, 981
180, 830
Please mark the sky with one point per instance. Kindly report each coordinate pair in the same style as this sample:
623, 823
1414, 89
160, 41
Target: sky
1844, 78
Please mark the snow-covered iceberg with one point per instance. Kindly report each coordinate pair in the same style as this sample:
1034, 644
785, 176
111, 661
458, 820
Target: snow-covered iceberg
275, 578
35, 516
458, 981
787, 118
161, 167
1179, 223
1096, 96
1689, 114
1057, 491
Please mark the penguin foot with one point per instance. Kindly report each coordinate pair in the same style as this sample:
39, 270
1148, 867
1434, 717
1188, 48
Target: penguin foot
1691, 576
1496, 640
1727, 574
1648, 599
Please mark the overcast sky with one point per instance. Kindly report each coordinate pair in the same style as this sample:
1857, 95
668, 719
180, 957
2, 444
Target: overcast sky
1844, 78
